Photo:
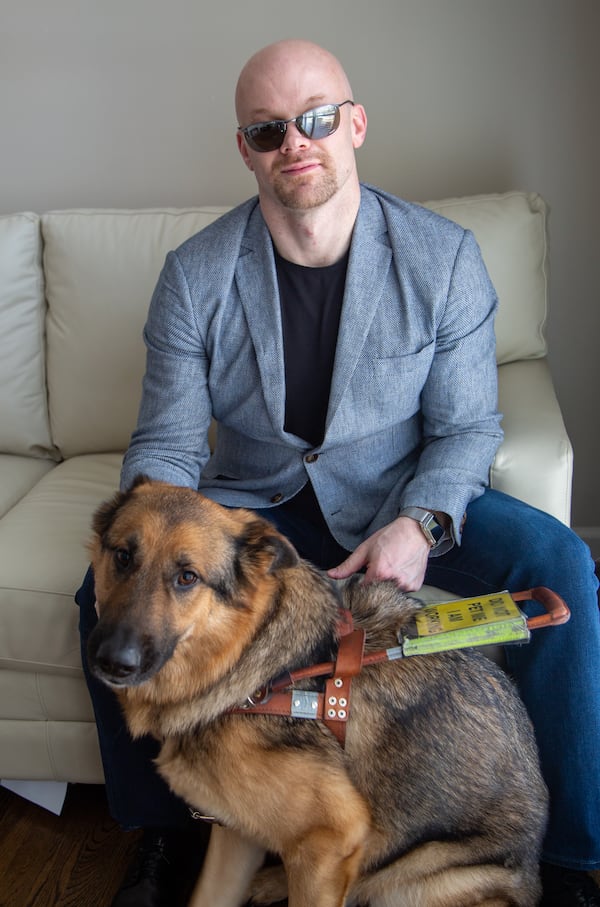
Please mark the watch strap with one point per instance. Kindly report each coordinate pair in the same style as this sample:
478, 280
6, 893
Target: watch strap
431, 528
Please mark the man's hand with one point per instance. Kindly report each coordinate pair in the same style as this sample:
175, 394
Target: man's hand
399, 551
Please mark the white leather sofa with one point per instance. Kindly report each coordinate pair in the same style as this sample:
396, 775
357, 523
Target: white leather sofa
74, 289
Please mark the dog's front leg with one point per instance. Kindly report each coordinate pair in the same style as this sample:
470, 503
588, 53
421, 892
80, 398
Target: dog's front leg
231, 861
321, 871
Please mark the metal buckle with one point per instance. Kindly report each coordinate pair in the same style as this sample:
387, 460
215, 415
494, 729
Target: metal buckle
257, 698
304, 704
200, 817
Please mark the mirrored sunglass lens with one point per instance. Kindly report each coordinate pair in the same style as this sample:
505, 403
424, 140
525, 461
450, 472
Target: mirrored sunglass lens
267, 137
319, 123
314, 124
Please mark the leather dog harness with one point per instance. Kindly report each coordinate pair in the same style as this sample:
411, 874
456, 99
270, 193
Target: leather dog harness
332, 707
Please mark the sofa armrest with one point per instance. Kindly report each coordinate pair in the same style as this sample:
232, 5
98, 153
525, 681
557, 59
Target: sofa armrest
535, 461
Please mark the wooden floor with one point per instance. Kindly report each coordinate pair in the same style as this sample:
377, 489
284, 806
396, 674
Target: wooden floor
77, 859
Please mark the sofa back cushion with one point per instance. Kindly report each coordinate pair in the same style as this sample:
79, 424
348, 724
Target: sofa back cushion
101, 267
24, 425
511, 232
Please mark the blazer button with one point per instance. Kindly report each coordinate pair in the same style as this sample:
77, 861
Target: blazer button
276, 498
311, 458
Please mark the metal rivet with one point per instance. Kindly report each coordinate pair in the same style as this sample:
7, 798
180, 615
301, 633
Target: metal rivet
338, 682
343, 702
342, 714
332, 700
331, 713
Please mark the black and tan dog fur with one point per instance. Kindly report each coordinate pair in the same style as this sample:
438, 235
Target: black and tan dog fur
437, 798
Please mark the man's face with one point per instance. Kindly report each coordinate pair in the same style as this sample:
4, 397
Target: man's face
303, 173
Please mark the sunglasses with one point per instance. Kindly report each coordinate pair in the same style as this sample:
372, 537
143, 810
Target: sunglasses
317, 123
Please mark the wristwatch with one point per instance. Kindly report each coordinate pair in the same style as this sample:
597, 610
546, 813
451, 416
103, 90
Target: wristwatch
431, 529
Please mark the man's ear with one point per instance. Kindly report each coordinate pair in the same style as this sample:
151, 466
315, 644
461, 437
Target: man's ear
359, 125
243, 149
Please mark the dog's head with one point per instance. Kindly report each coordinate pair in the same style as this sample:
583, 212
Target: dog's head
171, 569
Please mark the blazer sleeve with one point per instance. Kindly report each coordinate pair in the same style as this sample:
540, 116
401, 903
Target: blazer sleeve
170, 441
461, 424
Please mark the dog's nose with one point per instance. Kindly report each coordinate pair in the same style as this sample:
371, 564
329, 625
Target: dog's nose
116, 654
118, 662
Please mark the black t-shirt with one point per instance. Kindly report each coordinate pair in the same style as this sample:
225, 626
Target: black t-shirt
311, 305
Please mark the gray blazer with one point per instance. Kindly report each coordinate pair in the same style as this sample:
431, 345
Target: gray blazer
412, 414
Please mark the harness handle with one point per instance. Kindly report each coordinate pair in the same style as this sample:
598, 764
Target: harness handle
557, 611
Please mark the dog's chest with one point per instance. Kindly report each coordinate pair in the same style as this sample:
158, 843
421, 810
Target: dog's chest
192, 768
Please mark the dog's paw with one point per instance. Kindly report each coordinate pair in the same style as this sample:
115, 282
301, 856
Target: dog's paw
269, 886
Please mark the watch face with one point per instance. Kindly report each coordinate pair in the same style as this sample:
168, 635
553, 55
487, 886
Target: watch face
433, 528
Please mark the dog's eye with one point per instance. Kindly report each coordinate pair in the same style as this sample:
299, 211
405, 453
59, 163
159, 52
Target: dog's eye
122, 557
187, 578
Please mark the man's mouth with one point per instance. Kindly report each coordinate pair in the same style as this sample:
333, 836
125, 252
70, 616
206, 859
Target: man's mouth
299, 167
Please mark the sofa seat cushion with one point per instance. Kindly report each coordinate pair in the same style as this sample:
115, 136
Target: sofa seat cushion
17, 476
43, 559
51, 751
38, 696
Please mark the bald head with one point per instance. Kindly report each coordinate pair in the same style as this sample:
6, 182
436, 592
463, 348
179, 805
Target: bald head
292, 73
302, 175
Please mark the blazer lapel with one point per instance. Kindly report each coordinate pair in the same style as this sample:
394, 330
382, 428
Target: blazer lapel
368, 265
259, 294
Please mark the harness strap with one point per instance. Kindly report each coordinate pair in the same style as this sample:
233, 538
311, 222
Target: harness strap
331, 707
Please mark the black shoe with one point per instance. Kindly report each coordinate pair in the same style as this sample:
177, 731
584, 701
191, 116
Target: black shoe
164, 869
567, 888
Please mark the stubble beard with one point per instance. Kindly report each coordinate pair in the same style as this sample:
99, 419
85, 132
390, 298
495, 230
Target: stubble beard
303, 193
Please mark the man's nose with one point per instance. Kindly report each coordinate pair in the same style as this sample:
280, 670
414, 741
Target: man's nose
293, 139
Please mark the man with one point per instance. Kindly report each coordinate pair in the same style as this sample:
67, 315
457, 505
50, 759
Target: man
344, 341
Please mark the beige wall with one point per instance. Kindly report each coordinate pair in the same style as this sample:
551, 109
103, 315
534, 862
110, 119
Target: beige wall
128, 103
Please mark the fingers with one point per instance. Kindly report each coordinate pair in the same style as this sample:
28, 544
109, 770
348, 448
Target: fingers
353, 564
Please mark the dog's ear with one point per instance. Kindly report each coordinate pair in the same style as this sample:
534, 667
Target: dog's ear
258, 551
106, 513
140, 479
263, 543
284, 553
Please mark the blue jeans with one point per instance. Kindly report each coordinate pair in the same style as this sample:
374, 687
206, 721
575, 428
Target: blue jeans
506, 545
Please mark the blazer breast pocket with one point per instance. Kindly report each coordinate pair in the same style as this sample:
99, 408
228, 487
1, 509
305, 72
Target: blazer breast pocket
397, 382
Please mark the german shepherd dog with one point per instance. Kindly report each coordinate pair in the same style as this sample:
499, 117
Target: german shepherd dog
436, 798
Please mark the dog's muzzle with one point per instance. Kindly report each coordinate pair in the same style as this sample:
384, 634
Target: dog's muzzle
119, 656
